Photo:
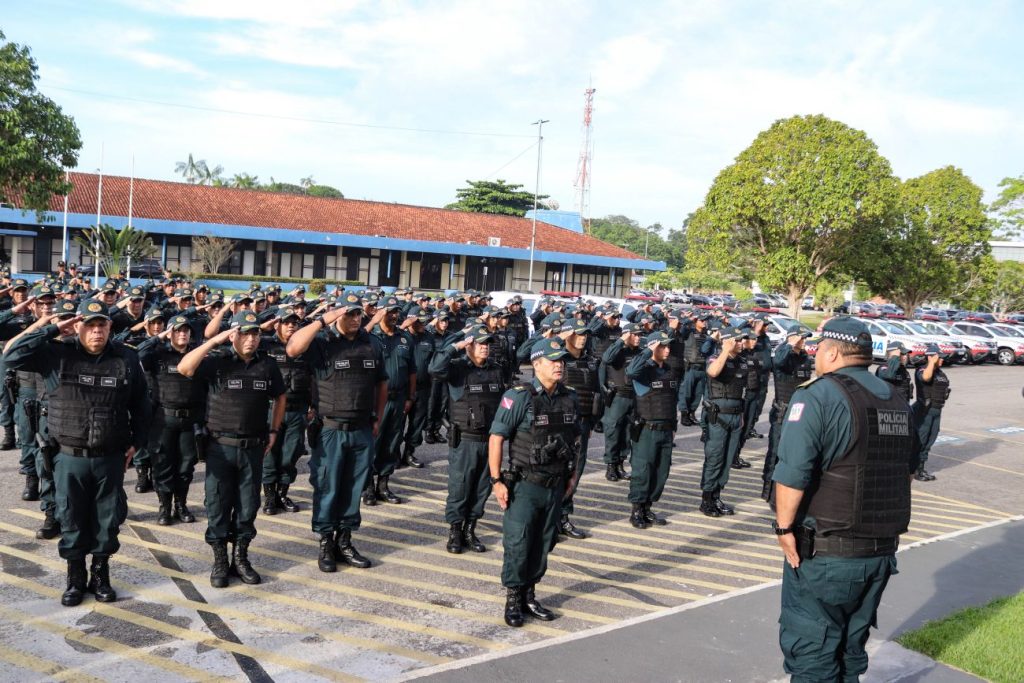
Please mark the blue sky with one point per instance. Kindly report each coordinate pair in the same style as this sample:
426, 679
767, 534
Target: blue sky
682, 88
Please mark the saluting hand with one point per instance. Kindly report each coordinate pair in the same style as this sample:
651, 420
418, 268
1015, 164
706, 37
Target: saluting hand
331, 316
67, 326
23, 306
728, 345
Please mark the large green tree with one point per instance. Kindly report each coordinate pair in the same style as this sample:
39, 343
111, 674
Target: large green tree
1009, 207
1006, 289
799, 203
936, 242
625, 232
494, 196
37, 140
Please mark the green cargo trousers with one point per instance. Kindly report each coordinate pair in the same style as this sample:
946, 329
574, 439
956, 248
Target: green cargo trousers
390, 431
26, 436
721, 446
829, 605
652, 458
173, 450
91, 504
469, 480
616, 428
528, 532
279, 465
338, 469
232, 491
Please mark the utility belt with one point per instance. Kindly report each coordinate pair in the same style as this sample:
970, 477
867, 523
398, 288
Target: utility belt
474, 437
238, 440
660, 426
88, 452
811, 545
182, 413
699, 368
346, 425
547, 481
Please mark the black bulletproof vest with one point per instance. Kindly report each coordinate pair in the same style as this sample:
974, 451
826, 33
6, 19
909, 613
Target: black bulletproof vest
659, 404
901, 381
544, 443
731, 381
297, 375
752, 367
89, 409
517, 326
691, 349
475, 409
676, 361
169, 387
937, 392
239, 398
604, 338
347, 392
498, 348
581, 375
786, 383
866, 493
617, 376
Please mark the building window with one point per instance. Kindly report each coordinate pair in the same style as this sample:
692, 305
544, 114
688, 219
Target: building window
592, 280
554, 277
486, 273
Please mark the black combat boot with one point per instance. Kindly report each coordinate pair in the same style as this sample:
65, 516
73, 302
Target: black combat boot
163, 516
326, 561
50, 528
535, 608
31, 490
369, 492
514, 606
77, 583
754, 434
181, 511
686, 419
270, 499
283, 501
598, 426
722, 507
240, 564
636, 517
612, 472
567, 528
623, 474
921, 475
441, 438
7, 443
144, 483
651, 518
429, 436
347, 553
455, 543
219, 573
99, 581
384, 492
408, 459
707, 504
469, 537
739, 463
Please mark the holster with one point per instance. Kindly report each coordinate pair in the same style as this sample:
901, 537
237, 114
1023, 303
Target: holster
597, 411
711, 410
11, 386
454, 436
804, 542
313, 429
202, 438
609, 394
636, 426
48, 448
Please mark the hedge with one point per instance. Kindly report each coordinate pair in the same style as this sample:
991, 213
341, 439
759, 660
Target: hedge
250, 278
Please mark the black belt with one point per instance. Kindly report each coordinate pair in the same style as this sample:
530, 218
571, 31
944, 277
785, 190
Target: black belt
660, 426
839, 546
242, 442
345, 426
87, 452
296, 406
730, 410
180, 412
475, 437
547, 481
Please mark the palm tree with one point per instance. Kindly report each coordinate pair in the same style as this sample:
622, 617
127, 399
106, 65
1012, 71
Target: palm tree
209, 176
244, 181
111, 246
190, 170
307, 182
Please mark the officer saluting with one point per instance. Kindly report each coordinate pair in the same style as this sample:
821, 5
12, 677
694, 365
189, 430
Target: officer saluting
99, 411
791, 366
474, 385
242, 383
843, 498
540, 419
895, 370
722, 418
620, 399
932, 393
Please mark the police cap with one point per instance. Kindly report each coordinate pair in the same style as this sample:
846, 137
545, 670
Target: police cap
245, 321
848, 330
552, 349
91, 309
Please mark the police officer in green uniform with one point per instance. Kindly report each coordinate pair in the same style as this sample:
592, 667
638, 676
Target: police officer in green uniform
540, 419
422, 352
178, 404
99, 412
20, 319
722, 420
438, 406
847, 451
242, 382
474, 388
279, 465
791, 367
932, 387
351, 391
894, 370
695, 378
653, 430
620, 399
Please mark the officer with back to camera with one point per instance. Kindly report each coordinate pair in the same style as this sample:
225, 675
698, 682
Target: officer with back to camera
540, 419
791, 366
99, 413
932, 390
242, 384
620, 399
846, 456
475, 389
695, 378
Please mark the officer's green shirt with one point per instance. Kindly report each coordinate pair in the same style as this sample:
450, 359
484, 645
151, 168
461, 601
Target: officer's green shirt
515, 408
816, 431
449, 366
398, 357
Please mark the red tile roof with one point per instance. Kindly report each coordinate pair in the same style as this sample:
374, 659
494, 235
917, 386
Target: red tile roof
181, 202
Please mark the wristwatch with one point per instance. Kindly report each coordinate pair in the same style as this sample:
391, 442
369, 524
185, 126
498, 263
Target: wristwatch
781, 531
495, 480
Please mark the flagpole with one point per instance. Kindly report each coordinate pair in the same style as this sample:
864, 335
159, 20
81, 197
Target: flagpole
99, 204
131, 194
64, 241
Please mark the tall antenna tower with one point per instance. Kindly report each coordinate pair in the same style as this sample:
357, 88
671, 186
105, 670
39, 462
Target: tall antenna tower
583, 166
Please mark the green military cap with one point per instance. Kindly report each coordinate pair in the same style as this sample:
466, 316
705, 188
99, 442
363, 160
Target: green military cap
847, 329
239, 298
443, 314
254, 287
41, 290
932, 350
479, 334
422, 296
202, 287
576, 326
215, 298
244, 321
184, 293
401, 292
286, 313
109, 286
351, 301
177, 321
258, 296
658, 336
489, 310
391, 303
552, 349
19, 283
631, 328
66, 309
551, 321
136, 293
734, 333
91, 309
155, 313
895, 346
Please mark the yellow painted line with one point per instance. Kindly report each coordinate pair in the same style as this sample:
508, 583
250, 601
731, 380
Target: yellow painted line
107, 645
52, 670
977, 464
198, 637
987, 435
959, 503
139, 591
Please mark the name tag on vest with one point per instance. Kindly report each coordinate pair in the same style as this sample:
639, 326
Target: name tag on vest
568, 418
476, 387
172, 369
657, 385
495, 387
369, 364
893, 423
234, 384
259, 385
108, 381
342, 365
86, 379
541, 420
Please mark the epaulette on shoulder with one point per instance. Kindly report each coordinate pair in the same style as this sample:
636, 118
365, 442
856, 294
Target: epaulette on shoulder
571, 389
521, 387
808, 383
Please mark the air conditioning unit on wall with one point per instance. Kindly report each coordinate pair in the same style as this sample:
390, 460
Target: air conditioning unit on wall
494, 241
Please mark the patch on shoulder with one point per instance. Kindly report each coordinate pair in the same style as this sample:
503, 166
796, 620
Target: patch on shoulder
796, 411
808, 383
507, 403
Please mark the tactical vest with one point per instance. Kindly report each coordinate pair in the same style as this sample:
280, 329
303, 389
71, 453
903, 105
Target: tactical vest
752, 367
691, 349
676, 361
581, 375
936, 393
604, 338
347, 392
866, 493
659, 404
731, 381
518, 327
89, 409
474, 411
239, 398
786, 383
617, 376
297, 375
544, 447
497, 348
901, 381
169, 387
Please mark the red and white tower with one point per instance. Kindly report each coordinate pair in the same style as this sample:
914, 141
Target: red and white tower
583, 166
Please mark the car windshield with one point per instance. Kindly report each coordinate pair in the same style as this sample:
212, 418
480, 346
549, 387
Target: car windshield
1007, 331
917, 327
790, 325
891, 329
935, 329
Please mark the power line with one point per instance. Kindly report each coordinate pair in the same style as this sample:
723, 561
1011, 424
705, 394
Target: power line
280, 117
510, 161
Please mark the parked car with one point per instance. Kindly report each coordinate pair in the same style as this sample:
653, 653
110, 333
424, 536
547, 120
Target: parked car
883, 332
975, 317
980, 349
1009, 349
952, 350
890, 310
781, 325
864, 309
